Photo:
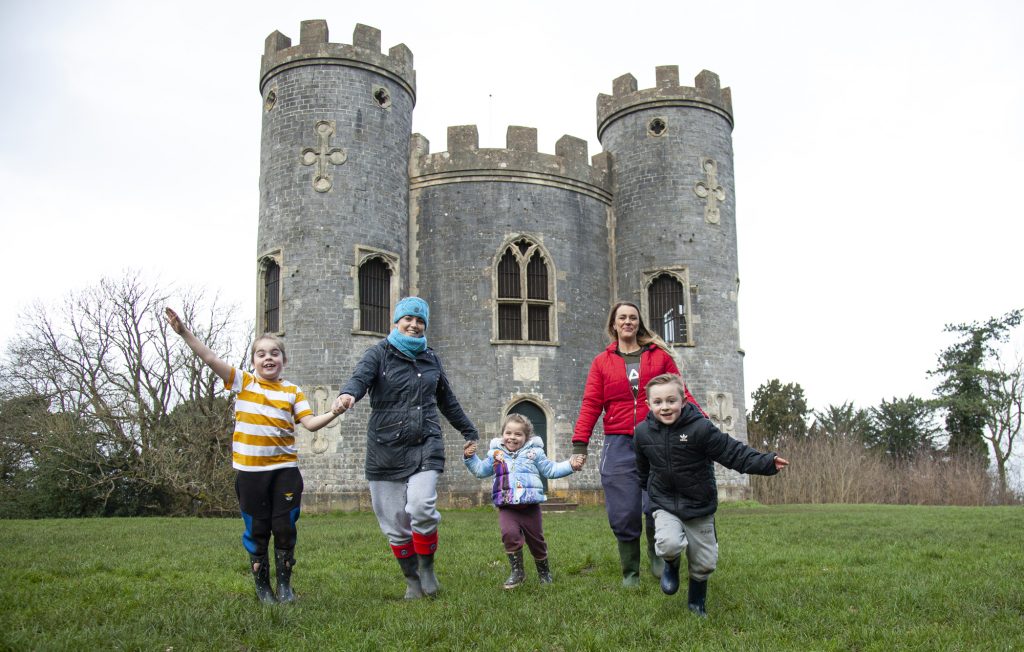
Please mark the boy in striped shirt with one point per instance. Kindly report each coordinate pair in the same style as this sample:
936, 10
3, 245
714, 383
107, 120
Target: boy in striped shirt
268, 482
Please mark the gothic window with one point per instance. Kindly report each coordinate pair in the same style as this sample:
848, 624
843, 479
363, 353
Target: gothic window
376, 277
269, 300
524, 293
374, 296
668, 304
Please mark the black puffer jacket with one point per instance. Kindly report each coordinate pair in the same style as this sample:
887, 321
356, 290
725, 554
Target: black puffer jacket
675, 462
404, 432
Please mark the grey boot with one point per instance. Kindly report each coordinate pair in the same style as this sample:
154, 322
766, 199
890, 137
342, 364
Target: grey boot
697, 597
518, 574
260, 566
629, 558
657, 563
544, 571
427, 578
284, 561
410, 570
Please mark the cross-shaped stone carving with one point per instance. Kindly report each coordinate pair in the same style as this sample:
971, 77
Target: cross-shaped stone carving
711, 191
721, 411
321, 402
322, 155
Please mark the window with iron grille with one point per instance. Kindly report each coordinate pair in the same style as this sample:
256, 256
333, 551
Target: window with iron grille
374, 296
271, 296
666, 299
524, 293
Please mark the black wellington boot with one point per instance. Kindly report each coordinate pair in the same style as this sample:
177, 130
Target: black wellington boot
518, 574
260, 566
544, 571
697, 596
670, 577
629, 559
410, 570
428, 580
284, 562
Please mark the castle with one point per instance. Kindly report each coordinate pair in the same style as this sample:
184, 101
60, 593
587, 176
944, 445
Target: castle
519, 253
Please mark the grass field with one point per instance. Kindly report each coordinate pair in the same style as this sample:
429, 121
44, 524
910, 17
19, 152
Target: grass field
831, 577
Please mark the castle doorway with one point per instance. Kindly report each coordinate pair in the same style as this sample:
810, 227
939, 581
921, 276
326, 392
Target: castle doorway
535, 414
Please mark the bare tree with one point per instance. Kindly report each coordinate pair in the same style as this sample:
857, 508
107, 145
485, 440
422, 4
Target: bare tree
1004, 391
106, 360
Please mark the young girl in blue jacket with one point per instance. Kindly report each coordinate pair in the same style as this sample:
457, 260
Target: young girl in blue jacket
517, 462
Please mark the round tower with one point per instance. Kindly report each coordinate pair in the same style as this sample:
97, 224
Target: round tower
334, 184
675, 226
510, 247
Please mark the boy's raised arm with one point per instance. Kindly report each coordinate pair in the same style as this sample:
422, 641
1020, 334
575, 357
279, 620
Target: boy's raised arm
205, 353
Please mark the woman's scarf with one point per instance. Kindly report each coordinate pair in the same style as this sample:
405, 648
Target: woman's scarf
410, 346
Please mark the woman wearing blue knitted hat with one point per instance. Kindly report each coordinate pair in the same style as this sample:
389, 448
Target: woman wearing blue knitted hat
404, 445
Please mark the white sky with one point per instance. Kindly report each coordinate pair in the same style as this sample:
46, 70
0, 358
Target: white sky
879, 149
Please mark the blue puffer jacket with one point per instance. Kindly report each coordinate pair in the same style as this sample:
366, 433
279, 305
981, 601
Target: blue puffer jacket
517, 475
403, 435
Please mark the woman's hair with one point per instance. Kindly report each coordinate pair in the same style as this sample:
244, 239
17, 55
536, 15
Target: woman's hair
276, 339
667, 379
520, 419
644, 336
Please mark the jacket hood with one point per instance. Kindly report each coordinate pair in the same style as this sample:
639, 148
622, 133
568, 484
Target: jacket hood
532, 442
614, 346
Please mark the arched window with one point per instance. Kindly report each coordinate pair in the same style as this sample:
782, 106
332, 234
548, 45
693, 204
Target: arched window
374, 296
524, 293
375, 277
668, 305
269, 300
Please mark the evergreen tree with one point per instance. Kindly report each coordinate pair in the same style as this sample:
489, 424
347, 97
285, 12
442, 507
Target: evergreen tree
844, 422
779, 415
905, 427
965, 374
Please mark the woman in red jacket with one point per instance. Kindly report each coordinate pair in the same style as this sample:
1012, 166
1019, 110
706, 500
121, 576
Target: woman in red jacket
615, 386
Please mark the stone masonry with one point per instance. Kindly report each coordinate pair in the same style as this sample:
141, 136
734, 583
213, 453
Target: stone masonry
343, 180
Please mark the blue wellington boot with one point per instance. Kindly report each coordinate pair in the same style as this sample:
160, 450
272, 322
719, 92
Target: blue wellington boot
697, 596
670, 577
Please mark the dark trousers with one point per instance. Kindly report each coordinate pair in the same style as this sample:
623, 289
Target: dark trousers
270, 502
624, 501
522, 523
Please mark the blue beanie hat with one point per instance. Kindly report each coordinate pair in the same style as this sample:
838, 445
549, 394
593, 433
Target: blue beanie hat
413, 307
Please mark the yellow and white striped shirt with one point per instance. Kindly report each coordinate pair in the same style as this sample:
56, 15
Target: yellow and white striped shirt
265, 416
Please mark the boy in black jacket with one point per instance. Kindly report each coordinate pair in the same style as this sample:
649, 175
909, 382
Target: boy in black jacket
676, 446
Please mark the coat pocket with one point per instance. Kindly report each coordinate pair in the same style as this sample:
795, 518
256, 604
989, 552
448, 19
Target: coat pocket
386, 426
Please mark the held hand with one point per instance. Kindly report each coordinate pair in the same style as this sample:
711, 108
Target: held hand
338, 407
780, 463
343, 403
174, 321
469, 449
576, 462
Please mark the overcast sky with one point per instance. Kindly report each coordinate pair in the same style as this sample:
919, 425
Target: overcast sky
879, 149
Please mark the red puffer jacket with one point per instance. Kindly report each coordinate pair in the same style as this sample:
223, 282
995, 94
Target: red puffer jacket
608, 390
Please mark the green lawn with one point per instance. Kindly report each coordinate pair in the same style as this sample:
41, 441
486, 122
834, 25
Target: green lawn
830, 577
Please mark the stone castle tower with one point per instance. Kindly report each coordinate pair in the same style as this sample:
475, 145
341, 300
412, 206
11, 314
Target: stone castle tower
519, 253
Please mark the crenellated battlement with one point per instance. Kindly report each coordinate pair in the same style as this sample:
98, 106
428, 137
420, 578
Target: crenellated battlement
315, 48
519, 161
706, 93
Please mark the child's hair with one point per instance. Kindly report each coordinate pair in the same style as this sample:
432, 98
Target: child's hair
276, 339
666, 379
520, 419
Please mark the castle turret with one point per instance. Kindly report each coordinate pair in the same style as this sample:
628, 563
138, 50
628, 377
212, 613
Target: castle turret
334, 187
675, 226
511, 248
